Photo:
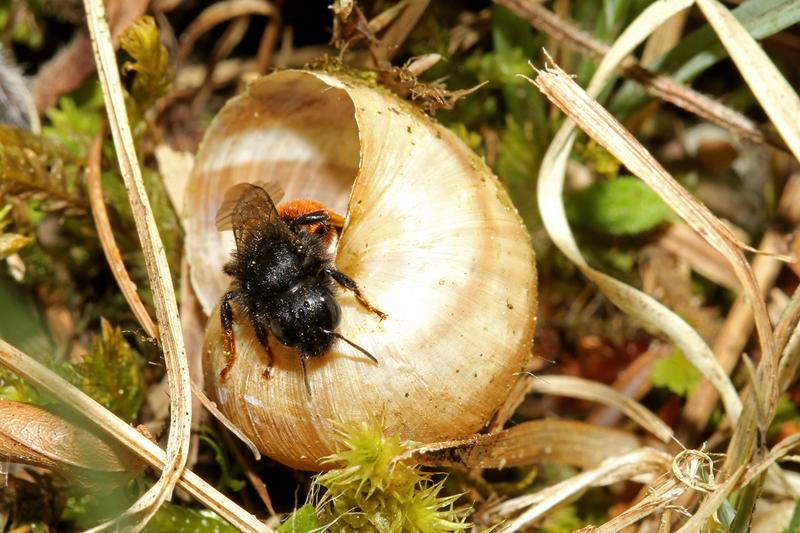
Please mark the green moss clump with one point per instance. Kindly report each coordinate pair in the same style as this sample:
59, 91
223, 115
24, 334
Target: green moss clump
371, 491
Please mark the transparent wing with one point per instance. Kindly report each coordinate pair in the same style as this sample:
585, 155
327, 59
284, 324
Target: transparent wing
250, 213
224, 218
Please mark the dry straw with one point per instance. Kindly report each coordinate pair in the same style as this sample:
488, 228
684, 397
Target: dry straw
157, 270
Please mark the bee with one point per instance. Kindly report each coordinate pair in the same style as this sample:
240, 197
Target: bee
283, 272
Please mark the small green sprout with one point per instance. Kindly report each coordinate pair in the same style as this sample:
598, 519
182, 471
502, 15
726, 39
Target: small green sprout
371, 491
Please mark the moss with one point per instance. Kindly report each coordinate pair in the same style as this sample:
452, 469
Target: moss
371, 491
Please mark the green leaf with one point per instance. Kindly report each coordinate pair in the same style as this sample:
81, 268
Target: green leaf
794, 523
110, 373
675, 373
86, 510
21, 322
172, 518
701, 49
303, 520
624, 206
227, 481
150, 66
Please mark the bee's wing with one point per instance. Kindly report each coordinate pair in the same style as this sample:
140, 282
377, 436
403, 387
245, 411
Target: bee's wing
250, 212
224, 218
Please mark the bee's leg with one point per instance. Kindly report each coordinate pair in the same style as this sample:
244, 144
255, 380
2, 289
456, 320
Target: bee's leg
228, 342
262, 334
347, 282
309, 219
303, 358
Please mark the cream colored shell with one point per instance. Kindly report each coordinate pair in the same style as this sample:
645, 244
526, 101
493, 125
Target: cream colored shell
430, 236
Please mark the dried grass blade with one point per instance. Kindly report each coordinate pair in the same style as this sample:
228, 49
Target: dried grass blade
224, 420
712, 503
157, 268
44, 378
128, 287
681, 240
777, 453
659, 495
658, 85
790, 357
657, 462
567, 441
630, 300
732, 338
218, 13
585, 389
609, 133
637, 463
787, 332
770, 88
394, 37
109, 244
550, 187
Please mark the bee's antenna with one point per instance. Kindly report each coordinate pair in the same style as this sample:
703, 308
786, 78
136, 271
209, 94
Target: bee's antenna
351, 343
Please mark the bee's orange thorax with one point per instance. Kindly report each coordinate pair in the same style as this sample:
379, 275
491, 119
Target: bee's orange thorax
294, 209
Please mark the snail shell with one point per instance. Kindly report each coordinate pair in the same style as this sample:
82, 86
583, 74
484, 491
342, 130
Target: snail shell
430, 236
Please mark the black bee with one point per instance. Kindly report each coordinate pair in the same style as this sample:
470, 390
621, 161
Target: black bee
283, 273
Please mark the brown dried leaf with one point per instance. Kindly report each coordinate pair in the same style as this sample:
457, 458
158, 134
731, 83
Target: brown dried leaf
570, 442
33, 436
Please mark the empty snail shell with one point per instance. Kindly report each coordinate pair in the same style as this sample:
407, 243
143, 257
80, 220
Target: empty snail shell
430, 236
